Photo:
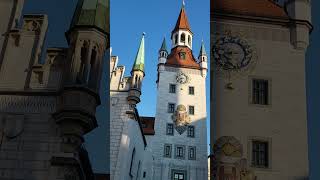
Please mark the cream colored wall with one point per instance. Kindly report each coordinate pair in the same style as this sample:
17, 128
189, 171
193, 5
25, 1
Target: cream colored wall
284, 121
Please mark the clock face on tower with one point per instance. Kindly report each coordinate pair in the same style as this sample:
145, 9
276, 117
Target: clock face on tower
182, 78
232, 54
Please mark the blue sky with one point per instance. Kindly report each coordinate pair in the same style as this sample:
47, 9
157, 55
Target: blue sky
157, 17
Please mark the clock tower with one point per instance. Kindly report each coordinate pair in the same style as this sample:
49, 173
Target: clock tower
180, 142
259, 128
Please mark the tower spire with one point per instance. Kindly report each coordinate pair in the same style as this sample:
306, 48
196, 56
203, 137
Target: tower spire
202, 50
164, 45
139, 61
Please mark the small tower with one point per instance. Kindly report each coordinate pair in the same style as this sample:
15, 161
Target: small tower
87, 39
163, 54
203, 60
137, 74
182, 34
300, 12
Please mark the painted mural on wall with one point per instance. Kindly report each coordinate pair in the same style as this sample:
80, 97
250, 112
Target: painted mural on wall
181, 119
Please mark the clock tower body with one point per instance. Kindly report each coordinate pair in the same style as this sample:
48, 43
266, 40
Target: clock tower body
179, 145
259, 125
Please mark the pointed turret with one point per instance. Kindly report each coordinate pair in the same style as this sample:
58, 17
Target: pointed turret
139, 61
203, 60
91, 14
202, 50
181, 34
137, 74
163, 54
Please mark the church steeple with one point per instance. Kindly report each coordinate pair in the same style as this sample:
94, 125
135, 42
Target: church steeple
181, 35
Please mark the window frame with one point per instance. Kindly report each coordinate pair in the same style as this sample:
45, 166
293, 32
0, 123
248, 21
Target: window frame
169, 109
188, 131
167, 127
176, 150
175, 88
193, 110
194, 148
193, 90
251, 92
170, 151
269, 152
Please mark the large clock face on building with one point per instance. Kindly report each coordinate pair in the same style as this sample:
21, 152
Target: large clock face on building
182, 78
232, 54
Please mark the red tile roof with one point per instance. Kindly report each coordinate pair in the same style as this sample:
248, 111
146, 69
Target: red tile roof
147, 125
261, 8
174, 58
182, 22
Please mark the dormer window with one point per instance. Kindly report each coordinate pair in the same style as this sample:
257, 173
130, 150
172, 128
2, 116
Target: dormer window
183, 38
182, 55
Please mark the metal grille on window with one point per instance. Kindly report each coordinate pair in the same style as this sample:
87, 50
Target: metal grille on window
170, 129
260, 154
191, 90
172, 88
190, 131
260, 92
191, 110
171, 108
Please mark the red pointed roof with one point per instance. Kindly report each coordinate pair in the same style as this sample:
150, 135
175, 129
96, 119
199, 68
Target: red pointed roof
175, 60
182, 22
260, 8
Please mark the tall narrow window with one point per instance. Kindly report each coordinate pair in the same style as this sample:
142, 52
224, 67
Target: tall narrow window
176, 39
179, 152
167, 150
190, 131
132, 161
191, 110
172, 88
191, 90
260, 154
171, 108
91, 73
83, 58
183, 38
192, 153
260, 91
189, 40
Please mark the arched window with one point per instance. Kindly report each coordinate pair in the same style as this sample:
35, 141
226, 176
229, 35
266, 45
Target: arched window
136, 82
183, 38
83, 58
91, 74
189, 40
176, 39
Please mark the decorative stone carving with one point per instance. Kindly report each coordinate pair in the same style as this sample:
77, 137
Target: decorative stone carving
228, 146
245, 173
181, 118
32, 25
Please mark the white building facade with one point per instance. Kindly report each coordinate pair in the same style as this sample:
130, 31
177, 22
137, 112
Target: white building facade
179, 145
259, 129
130, 156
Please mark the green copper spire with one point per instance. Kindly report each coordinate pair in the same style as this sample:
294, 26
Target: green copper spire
163, 46
202, 50
139, 61
94, 13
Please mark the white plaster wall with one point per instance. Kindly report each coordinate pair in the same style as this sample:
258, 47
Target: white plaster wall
284, 122
197, 169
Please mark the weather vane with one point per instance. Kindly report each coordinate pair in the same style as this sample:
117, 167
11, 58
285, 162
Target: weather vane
183, 3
